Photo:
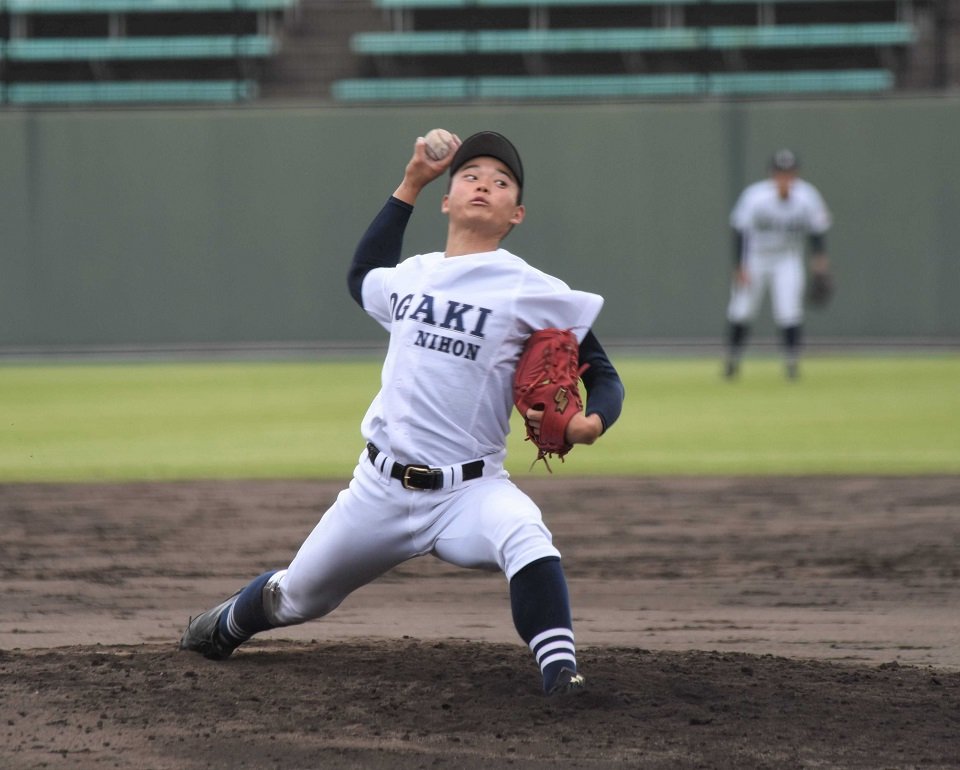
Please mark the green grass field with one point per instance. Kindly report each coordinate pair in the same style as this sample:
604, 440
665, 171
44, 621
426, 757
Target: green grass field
118, 422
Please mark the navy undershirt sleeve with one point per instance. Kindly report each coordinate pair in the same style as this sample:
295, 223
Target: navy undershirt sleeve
818, 243
604, 387
380, 246
737, 248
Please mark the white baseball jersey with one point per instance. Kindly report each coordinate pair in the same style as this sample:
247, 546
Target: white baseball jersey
775, 231
457, 328
775, 227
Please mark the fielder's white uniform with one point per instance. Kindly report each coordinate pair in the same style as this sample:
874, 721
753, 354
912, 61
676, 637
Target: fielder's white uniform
457, 327
775, 231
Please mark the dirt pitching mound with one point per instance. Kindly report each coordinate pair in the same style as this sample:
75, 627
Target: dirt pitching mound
721, 623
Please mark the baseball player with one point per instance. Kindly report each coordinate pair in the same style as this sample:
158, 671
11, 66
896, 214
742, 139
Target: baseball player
773, 221
430, 477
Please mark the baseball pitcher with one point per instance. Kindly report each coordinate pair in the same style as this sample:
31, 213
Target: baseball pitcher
430, 476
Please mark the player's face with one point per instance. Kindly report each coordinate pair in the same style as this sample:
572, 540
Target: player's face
484, 192
784, 181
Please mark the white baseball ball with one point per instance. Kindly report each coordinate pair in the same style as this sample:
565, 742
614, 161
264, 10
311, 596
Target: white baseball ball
439, 142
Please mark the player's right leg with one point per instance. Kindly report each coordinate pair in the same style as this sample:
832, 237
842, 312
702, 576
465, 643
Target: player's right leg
540, 605
737, 334
355, 541
744, 303
787, 299
492, 524
792, 337
203, 633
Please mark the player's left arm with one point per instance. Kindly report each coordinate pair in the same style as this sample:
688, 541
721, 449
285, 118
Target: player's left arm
820, 221
740, 275
604, 396
819, 261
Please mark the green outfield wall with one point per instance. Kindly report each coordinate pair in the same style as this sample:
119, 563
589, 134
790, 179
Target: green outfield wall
199, 226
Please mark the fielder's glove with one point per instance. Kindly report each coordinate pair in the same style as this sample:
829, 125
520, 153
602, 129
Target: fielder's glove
547, 378
820, 289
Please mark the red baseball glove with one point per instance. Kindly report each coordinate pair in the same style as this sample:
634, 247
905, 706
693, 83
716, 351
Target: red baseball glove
547, 378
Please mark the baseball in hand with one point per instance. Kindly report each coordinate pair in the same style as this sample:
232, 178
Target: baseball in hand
439, 143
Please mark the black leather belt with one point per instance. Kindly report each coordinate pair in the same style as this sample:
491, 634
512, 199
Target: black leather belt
423, 477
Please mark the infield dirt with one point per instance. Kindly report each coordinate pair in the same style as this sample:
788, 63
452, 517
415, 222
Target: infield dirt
721, 623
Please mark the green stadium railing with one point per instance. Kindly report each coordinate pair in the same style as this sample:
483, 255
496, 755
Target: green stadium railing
139, 6
175, 47
586, 87
639, 39
148, 92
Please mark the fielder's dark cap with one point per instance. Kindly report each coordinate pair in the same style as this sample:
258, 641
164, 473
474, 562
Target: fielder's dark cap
784, 160
494, 145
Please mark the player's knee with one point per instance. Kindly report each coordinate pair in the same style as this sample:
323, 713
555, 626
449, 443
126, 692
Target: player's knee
527, 543
788, 320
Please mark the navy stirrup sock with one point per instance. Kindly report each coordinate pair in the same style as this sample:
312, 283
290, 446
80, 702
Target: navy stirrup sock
246, 616
737, 337
541, 615
792, 337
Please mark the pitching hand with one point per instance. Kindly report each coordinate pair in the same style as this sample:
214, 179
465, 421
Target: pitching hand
421, 170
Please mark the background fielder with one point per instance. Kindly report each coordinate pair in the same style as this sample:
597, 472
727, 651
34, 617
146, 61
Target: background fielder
431, 478
773, 221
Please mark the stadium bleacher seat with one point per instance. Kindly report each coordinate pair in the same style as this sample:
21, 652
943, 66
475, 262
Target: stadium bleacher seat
139, 6
466, 50
153, 91
115, 51
813, 35
523, 88
835, 81
535, 3
458, 50
523, 41
173, 47
595, 40
522, 3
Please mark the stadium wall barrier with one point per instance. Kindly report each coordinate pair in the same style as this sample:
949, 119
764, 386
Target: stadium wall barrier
196, 226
